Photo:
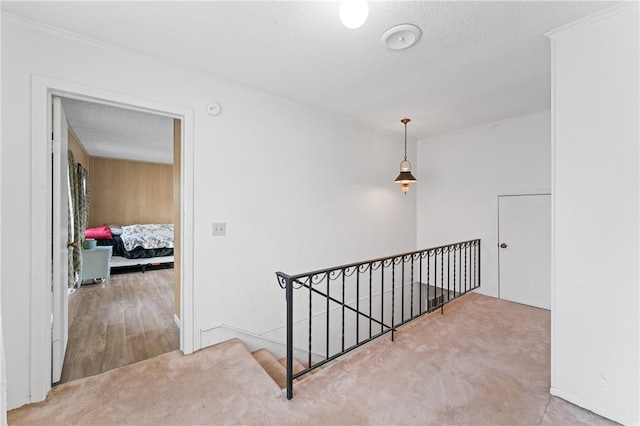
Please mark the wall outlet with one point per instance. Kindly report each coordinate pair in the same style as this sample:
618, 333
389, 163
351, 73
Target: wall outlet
219, 229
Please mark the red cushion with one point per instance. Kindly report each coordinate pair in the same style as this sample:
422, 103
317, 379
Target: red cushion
99, 233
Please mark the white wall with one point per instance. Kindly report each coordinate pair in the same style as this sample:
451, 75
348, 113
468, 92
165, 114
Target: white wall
462, 173
299, 189
596, 261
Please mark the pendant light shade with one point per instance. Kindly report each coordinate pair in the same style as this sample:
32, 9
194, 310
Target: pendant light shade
405, 178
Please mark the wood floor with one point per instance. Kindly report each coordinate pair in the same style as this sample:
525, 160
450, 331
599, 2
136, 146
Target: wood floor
126, 321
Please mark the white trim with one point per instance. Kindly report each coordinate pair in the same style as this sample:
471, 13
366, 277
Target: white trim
524, 192
18, 403
553, 211
3, 360
615, 416
187, 331
42, 89
40, 270
592, 19
176, 320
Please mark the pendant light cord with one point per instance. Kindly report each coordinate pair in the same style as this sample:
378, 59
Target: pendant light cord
405, 121
405, 141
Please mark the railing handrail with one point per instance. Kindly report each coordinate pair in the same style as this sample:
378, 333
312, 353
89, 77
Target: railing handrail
364, 262
313, 278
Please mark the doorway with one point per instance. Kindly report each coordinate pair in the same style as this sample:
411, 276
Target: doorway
524, 249
129, 316
43, 89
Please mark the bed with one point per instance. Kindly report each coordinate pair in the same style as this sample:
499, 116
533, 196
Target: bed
138, 245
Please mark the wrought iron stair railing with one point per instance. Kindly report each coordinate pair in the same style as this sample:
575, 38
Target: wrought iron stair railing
369, 299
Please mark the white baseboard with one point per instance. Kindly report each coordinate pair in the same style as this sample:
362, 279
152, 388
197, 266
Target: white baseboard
604, 412
11, 405
176, 320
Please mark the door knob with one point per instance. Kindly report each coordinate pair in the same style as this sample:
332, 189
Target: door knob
503, 245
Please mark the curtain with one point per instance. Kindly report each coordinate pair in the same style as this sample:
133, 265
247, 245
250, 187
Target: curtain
78, 213
82, 201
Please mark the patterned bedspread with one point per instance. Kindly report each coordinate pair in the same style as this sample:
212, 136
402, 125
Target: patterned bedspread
149, 236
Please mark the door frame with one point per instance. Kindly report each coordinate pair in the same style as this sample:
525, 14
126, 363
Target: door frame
42, 91
62, 222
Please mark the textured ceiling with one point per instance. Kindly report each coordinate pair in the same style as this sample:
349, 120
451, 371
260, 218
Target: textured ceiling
111, 132
476, 62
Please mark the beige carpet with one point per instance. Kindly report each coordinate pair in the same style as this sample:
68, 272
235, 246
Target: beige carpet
485, 361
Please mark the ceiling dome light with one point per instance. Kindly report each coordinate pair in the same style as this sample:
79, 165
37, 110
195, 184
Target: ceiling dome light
401, 36
353, 13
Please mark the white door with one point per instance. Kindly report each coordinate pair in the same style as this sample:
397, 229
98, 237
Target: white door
60, 235
524, 240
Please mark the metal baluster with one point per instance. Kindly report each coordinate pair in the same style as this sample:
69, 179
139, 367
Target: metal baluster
435, 277
382, 298
358, 304
328, 290
465, 266
442, 279
448, 274
411, 286
428, 279
370, 296
477, 246
402, 292
393, 297
460, 266
310, 315
420, 284
479, 264
343, 278
472, 260
454, 271
472, 267
289, 297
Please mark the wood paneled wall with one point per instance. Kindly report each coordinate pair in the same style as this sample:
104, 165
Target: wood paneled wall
129, 192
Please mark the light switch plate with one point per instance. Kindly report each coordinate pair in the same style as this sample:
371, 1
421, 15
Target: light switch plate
219, 229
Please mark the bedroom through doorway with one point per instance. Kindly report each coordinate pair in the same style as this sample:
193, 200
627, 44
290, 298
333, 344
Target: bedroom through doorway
131, 311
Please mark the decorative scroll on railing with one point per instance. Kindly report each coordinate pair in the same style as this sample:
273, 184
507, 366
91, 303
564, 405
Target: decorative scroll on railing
339, 309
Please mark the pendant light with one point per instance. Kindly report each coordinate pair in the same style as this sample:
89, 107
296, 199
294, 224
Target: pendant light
405, 178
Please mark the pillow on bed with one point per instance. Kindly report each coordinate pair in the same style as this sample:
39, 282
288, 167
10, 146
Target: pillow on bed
116, 230
99, 233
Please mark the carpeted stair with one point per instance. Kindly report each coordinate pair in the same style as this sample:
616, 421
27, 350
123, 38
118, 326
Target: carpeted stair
277, 368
